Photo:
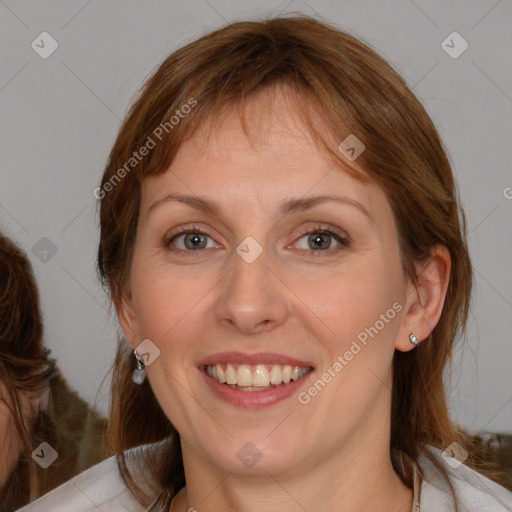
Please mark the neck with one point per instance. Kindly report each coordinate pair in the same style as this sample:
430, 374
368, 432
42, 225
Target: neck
351, 483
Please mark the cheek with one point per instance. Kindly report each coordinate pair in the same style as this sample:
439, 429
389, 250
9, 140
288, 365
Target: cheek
364, 296
164, 300
362, 311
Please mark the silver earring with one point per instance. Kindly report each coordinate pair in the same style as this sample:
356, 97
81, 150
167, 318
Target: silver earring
413, 339
139, 374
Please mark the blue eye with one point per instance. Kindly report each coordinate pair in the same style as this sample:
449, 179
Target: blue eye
192, 240
320, 240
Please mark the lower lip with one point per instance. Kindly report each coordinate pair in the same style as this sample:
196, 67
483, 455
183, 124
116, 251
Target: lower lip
255, 399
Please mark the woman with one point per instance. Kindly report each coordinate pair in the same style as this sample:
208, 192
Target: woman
36, 404
281, 238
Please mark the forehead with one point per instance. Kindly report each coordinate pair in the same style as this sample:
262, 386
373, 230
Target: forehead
251, 161
264, 146
270, 118
250, 175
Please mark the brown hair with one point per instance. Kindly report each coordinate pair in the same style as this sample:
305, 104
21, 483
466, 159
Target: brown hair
26, 367
356, 91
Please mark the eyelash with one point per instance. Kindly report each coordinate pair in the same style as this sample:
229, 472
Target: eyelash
343, 240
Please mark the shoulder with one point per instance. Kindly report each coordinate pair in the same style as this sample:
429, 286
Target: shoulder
98, 488
474, 491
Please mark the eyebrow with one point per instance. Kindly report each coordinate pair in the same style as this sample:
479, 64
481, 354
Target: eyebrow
289, 206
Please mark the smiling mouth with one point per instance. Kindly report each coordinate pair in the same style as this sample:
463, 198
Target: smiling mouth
259, 377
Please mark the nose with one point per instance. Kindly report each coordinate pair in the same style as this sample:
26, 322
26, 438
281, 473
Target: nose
253, 298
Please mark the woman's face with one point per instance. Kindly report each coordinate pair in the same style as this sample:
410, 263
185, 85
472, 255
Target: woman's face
278, 276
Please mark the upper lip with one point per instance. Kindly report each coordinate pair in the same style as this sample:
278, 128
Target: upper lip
253, 359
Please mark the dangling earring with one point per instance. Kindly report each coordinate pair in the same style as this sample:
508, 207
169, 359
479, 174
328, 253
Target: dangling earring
413, 339
139, 374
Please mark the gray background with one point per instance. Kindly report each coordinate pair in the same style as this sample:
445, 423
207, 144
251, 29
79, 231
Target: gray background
59, 117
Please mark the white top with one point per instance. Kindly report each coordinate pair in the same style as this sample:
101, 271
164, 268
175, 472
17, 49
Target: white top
101, 488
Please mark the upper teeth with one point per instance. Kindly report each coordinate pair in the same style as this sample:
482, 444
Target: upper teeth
257, 376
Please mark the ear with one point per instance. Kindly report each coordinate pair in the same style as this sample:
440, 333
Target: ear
127, 318
425, 299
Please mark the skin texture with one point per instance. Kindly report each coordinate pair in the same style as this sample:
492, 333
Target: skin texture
294, 299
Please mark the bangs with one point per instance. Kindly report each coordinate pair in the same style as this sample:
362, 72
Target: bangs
306, 112
204, 81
